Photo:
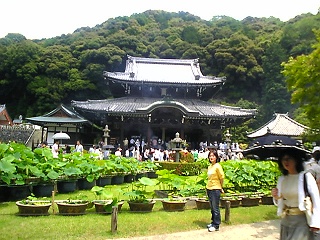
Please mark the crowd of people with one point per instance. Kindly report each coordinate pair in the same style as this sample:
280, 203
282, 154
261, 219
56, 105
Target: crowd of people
157, 150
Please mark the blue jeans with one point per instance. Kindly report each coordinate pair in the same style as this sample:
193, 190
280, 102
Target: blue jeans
214, 199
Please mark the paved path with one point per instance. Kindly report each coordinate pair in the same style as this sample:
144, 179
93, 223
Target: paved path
268, 230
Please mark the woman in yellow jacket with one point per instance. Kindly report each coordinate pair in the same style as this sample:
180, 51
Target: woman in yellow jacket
214, 189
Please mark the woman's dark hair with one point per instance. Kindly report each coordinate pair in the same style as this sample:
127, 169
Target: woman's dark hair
297, 155
316, 155
214, 151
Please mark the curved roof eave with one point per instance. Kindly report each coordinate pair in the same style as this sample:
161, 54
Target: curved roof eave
203, 81
174, 104
280, 124
59, 120
141, 106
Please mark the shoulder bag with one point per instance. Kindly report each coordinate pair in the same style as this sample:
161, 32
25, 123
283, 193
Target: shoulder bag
307, 201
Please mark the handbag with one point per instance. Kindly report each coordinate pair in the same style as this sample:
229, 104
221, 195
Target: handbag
307, 201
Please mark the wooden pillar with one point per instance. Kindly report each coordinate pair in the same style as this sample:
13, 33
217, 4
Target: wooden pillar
163, 135
182, 133
227, 212
148, 135
121, 135
114, 219
52, 202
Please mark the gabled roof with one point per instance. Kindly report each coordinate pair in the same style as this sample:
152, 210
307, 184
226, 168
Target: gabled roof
281, 124
61, 115
164, 71
192, 108
5, 119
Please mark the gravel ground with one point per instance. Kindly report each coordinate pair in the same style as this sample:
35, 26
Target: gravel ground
268, 230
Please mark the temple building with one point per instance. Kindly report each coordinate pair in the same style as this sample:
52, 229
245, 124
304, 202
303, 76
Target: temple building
156, 98
280, 125
61, 119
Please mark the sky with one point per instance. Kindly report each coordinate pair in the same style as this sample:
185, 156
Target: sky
37, 19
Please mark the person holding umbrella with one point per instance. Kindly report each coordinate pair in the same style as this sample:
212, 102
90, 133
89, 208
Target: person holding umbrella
289, 196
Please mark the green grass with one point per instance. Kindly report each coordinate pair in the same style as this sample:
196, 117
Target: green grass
95, 227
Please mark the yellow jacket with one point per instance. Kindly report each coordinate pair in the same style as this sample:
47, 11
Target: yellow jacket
215, 176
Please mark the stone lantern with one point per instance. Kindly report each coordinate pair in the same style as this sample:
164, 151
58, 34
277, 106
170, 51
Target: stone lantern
228, 138
177, 145
106, 131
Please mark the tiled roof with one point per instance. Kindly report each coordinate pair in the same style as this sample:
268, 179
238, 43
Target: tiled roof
135, 106
67, 116
281, 124
164, 71
42, 119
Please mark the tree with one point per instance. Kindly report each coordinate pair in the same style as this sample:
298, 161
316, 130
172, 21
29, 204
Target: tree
302, 78
275, 97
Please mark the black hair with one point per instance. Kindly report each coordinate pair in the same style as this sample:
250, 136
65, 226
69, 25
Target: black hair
297, 155
316, 155
214, 151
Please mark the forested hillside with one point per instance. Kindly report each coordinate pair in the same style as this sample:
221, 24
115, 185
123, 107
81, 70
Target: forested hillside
37, 75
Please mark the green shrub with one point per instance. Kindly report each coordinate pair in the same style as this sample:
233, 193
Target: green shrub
183, 169
250, 175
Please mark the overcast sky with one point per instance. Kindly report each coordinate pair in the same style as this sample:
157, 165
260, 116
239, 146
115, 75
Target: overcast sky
36, 19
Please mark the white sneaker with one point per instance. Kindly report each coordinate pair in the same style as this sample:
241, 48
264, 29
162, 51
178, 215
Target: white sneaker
213, 229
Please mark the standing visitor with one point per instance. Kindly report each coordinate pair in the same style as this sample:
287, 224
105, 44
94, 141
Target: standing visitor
55, 149
313, 165
79, 147
118, 152
125, 143
289, 195
214, 189
195, 155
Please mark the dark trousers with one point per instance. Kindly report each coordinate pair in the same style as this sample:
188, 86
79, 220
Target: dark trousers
214, 199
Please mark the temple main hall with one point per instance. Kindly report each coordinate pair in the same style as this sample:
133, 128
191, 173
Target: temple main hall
153, 99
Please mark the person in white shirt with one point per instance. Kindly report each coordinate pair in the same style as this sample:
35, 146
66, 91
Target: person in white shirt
55, 149
118, 152
289, 196
79, 147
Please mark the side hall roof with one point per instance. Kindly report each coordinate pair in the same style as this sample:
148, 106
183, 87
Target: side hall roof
192, 108
281, 124
164, 71
60, 115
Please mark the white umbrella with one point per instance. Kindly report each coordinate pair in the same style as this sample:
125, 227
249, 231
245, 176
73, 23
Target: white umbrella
61, 136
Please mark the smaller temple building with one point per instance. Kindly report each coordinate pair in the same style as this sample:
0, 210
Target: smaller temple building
62, 119
280, 125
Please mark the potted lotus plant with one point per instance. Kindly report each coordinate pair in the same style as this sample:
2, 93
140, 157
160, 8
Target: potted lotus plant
73, 206
106, 169
138, 194
48, 172
31, 206
69, 172
90, 172
105, 200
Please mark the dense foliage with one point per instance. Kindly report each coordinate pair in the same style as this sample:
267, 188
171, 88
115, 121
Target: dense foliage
19, 164
37, 75
250, 175
303, 75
